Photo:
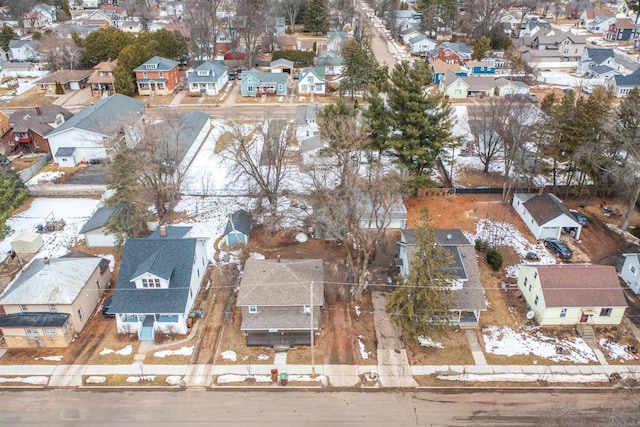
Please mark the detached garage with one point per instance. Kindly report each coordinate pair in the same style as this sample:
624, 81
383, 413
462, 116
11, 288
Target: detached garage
545, 215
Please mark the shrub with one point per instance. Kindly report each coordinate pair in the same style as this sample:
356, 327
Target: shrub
494, 259
635, 230
481, 245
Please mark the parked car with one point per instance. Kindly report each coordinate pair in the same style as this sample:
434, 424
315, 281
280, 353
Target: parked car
559, 248
106, 307
582, 220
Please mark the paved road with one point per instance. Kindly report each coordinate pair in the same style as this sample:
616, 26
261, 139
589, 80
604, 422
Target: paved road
627, 61
298, 408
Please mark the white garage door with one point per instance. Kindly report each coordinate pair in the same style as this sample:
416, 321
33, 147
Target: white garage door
548, 232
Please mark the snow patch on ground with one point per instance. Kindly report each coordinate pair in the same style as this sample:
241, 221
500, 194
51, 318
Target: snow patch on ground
229, 355
256, 255
96, 379
45, 177
37, 380
555, 378
428, 342
358, 311
507, 342
235, 378
173, 380
616, 351
122, 352
50, 358
138, 379
182, 351
363, 352
301, 237
263, 357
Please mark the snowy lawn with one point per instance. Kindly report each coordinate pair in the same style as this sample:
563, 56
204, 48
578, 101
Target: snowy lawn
50, 358
507, 342
182, 351
36, 380
229, 355
595, 378
45, 177
616, 351
126, 351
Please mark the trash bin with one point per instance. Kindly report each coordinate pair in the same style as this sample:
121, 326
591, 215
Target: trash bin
284, 378
274, 375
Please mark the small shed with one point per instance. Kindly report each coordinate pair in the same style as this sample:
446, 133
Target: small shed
238, 228
28, 242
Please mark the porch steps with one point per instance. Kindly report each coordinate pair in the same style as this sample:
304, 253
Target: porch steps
587, 334
146, 334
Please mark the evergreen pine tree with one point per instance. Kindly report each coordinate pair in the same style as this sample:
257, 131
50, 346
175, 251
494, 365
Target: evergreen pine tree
316, 18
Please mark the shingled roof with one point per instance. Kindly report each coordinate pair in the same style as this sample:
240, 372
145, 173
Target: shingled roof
37, 119
545, 207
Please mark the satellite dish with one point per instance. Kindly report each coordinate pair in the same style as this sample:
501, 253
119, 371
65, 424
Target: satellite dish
530, 314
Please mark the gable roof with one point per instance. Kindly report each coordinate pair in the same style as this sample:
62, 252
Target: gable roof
451, 237
173, 232
241, 221
64, 77
265, 77
599, 55
480, 83
631, 80
501, 81
162, 64
100, 218
439, 66
275, 282
318, 72
58, 282
307, 113
216, 67
624, 23
37, 120
580, 285
281, 61
545, 207
103, 117
171, 258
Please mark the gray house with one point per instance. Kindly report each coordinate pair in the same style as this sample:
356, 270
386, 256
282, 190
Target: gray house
467, 290
209, 78
158, 282
280, 299
238, 228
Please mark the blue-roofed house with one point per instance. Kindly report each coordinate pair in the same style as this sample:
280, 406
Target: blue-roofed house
622, 85
466, 287
238, 228
480, 68
208, 78
255, 83
103, 124
594, 57
158, 282
421, 44
312, 81
157, 76
52, 300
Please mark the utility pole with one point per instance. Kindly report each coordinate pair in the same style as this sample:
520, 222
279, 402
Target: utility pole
312, 332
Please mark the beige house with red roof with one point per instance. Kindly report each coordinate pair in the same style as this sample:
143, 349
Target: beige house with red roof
572, 294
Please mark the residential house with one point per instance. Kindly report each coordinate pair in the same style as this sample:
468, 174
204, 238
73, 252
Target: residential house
174, 8
439, 68
454, 86
331, 61
390, 213
20, 69
312, 81
410, 32
545, 215
621, 30
596, 57
630, 272
506, 87
572, 294
621, 85
601, 24
109, 18
208, 78
40, 17
406, 18
568, 46
102, 81
307, 45
336, 40
255, 83
24, 51
52, 300
238, 228
480, 68
130, 26
4, 56
282, 66
421, 44
306, 120
225, 41
451, 53
592, 14
67, 79
281, 301
92, 132
531, 27
466, 287
157, 76
95, 230
287, 43
158, 282
28, 129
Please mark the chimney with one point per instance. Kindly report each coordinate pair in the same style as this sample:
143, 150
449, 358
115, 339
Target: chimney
541, 191
38, 110
278, 258
163, 231
46, 260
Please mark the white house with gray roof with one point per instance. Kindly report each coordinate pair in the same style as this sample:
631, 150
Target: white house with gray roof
208, 78
280, 299
24, 51
159, 279
92, 132
467, 290
68, 285
312, 81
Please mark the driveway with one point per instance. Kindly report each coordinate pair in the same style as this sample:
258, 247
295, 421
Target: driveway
89, 175
74, 101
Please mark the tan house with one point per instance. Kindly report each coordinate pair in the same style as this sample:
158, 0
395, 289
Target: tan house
68, 80
572, 294
102, 80
52, 300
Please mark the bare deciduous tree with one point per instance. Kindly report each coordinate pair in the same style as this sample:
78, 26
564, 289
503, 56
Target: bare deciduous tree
486, 123
204, 26
292, 9
249, 24
60, 52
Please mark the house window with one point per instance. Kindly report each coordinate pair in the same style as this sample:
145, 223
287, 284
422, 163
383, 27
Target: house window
279, 87
190, 293
563, 312
304, 88
535, 302
31, 332
151, 283
53, 308
253, 309
24, 308
530, 286
98, 283
526, 279
80, 313
143, 85
250, 89
306, 309
310, 79
161, 74
144, 74
35, 144
632, 269
50, 332
606, 312
67, 325
535, 275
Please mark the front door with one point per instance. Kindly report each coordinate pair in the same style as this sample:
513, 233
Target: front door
584, 318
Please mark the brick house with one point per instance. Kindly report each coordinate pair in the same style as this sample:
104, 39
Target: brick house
27, 128
157, 76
